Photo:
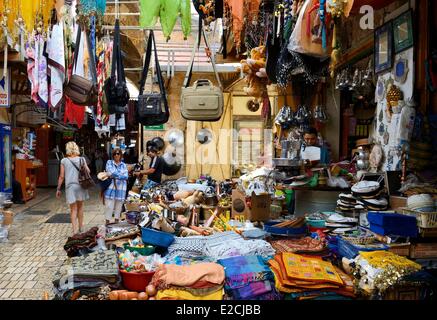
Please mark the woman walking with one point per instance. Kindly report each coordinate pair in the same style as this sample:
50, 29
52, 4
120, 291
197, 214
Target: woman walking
74, 193
115, 195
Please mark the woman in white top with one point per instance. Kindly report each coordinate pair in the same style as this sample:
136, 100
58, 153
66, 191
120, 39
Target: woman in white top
74, 193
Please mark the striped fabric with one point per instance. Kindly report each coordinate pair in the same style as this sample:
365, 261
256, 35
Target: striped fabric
120, 175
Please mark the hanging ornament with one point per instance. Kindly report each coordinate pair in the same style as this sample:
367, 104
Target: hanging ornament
394, 94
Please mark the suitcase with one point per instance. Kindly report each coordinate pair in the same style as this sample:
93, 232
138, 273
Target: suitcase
202, 101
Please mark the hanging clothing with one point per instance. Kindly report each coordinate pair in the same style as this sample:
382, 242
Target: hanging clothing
43, 85
237, 9
32, 71
56, 65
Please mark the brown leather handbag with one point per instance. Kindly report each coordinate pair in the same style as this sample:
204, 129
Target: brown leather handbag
82, 91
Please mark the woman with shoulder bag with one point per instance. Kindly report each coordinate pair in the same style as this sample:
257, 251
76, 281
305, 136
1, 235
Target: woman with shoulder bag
115, 195
74, 193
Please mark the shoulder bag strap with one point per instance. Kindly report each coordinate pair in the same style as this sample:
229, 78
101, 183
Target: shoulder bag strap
73, 164
189, 73
76, 49
120, 69
92, 65
114, 51
159, 75
146, 63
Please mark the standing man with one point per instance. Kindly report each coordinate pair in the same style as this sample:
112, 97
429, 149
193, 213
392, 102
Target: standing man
156, 167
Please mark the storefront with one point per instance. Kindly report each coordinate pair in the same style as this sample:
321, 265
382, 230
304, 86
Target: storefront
275, 150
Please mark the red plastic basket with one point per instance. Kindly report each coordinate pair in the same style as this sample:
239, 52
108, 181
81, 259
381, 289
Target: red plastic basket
136, 281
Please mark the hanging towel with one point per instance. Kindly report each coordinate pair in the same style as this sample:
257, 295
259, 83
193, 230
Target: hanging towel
56, 62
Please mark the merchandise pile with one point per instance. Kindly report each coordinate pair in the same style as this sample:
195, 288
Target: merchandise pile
249, 278
199, 281
301, 277
87, 275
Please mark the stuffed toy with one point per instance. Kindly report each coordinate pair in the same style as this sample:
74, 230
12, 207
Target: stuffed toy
255, 70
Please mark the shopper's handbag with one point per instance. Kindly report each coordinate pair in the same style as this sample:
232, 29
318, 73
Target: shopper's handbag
82, 91
117, 94
203, 101
152, 108
85, 179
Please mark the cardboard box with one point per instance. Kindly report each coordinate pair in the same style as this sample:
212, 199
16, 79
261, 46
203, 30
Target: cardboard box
396, 202
8, 217
260, 207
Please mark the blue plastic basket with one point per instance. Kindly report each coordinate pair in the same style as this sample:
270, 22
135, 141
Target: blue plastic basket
316, 223
156, 238
284, 231
392, 224
350, 251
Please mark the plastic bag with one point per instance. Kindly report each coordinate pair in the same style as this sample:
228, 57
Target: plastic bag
300, 41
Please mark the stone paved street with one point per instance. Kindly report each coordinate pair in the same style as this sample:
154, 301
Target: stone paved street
34, 251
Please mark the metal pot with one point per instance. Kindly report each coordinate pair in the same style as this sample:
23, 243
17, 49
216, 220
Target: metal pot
210, 197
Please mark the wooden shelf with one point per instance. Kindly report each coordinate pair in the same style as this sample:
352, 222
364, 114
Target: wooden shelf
25, 170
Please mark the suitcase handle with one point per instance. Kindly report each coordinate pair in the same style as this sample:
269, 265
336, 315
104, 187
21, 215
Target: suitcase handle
202, 82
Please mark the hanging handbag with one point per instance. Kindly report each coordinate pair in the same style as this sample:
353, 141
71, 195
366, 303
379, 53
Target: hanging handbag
150, 106
202, 101
82, 91
85, 179
117, 94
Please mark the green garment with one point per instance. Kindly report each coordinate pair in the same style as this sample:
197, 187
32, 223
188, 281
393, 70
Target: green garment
149, 12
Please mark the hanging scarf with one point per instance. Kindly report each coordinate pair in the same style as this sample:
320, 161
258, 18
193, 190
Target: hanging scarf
56, 65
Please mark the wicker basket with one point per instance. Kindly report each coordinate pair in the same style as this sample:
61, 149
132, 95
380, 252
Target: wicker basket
424, 219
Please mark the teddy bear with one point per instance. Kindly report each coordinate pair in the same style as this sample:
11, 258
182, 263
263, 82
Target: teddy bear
254, 69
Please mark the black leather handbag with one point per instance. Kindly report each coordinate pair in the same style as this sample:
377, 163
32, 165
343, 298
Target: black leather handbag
117, 94
82, 91
152, 108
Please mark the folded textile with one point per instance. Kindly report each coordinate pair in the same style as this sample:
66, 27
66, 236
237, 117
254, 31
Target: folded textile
81, 241
171, 294
199, 291
252, 290
306, 244
242, 270
170, 274
217, 246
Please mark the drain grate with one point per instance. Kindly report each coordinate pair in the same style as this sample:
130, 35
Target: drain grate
37, 212
59, 218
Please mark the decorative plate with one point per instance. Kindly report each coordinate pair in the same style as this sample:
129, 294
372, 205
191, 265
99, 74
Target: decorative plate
401, 70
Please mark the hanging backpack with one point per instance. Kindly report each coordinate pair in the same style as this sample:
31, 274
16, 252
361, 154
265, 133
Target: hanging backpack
117, 94
82, 91
203, 101
152, 108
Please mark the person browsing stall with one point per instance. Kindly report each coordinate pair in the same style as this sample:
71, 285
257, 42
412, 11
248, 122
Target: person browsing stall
156, 167
115, 195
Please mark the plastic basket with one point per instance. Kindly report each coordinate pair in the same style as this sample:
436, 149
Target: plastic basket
284, 231
136, 281
316, 223
424, 219
156, 238
350, 251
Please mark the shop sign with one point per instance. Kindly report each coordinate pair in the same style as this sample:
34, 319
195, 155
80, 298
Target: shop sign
5, 88
159, 127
